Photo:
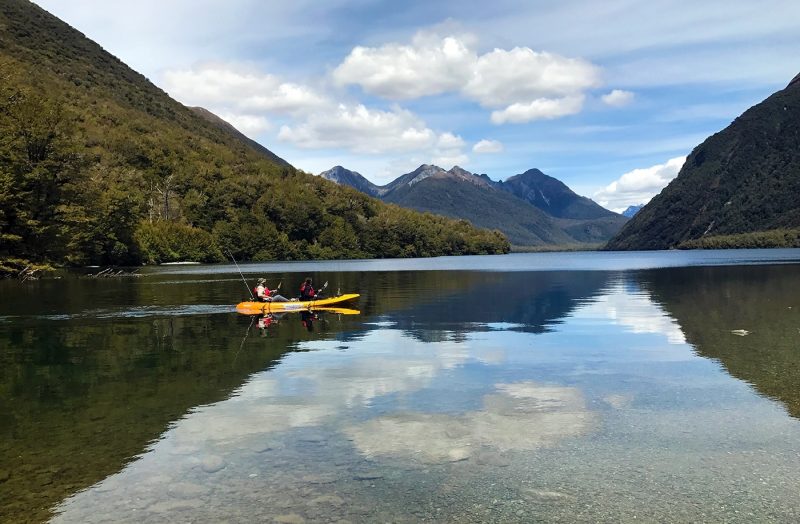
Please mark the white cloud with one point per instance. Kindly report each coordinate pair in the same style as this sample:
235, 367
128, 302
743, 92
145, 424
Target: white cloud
450, 141
426, 67
502, 78
249, 125
312, 120
450, 159
618, 98
539, 109
448, 151
487, 146
228, 86
361, 130
529, 85
638, 186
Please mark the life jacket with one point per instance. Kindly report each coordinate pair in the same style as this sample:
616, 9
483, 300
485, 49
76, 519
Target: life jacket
306, 291
264, 293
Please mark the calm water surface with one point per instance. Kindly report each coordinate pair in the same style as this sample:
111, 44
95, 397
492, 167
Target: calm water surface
541, 387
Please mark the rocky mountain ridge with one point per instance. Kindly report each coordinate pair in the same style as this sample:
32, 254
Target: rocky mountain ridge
531, 208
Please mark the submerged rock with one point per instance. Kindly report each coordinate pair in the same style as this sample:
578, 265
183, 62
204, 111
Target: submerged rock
212, 464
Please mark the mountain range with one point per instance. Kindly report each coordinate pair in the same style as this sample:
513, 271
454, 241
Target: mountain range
531, 208
739, 188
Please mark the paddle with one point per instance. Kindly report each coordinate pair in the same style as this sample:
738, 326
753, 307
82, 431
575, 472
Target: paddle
320, 290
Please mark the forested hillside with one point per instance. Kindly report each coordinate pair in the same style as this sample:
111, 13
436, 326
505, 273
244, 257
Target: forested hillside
99, 166
739, 188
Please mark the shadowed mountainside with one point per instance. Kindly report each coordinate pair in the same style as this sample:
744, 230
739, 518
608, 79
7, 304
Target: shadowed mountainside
744, 179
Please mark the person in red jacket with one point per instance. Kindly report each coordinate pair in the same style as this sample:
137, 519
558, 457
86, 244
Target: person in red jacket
307, 290
264, 294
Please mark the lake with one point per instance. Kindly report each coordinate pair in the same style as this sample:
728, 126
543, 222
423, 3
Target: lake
556, 387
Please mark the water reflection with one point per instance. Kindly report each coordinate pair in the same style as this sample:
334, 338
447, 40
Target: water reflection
547, 392
711, 304
516, 416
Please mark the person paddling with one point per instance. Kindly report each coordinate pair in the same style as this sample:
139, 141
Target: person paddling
307, 290
264, 294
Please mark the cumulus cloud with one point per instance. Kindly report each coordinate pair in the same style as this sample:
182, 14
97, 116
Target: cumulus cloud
228, 86
450, 141
539, 109
638, 186
311, 120
363, 130
618, 98
250, 125
487, 146
501, 77
521, 83
397, 72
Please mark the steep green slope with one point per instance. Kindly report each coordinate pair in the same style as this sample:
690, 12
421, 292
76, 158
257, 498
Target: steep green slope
743, 179
230, 130
99, 166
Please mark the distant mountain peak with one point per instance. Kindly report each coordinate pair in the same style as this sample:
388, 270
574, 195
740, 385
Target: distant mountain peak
553, 196
466, 176
422, 172
345, 177
336, 172
632, 210
458, 170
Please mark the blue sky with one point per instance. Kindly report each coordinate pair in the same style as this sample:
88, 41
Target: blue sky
607, 96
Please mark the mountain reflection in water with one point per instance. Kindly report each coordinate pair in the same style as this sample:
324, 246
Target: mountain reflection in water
711, 304
550, 392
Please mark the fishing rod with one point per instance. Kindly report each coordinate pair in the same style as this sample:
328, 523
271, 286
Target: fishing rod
243, 280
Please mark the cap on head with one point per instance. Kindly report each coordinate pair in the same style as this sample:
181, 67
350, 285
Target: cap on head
262, 280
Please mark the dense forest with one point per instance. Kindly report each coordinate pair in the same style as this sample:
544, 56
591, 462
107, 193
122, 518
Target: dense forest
99, 166
755, 240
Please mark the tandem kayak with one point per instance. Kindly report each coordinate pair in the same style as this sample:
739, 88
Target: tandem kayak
250, 308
